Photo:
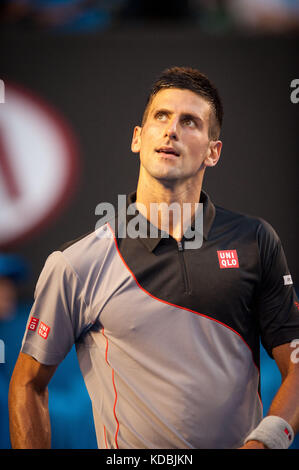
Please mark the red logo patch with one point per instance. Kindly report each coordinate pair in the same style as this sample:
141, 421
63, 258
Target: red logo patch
33, 324
43, 330
228, 259
288, 433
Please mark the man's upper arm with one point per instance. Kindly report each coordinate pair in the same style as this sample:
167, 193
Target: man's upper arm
29, 420
29, 372
59, 313
277, 303
283, 357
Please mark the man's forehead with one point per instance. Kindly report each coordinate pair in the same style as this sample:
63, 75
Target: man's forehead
182, 100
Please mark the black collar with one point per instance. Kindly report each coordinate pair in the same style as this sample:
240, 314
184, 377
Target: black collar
145, 226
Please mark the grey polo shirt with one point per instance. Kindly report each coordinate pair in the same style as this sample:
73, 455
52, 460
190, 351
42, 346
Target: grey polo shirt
168, 338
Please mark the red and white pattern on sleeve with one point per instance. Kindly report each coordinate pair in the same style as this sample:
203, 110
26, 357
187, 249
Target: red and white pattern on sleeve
43, 330
33, 324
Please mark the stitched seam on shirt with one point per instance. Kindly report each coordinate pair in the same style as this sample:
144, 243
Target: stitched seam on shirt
81, 283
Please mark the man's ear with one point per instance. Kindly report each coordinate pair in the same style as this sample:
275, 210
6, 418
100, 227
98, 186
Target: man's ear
213, 153
136, 139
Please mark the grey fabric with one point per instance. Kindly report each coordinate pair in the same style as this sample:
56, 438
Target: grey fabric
158, 375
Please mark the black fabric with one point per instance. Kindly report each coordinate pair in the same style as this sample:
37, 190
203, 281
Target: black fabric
251, 299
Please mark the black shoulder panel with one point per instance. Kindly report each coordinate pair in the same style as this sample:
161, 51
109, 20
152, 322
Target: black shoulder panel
66, 245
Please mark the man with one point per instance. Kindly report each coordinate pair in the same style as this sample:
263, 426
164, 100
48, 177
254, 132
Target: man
167, 337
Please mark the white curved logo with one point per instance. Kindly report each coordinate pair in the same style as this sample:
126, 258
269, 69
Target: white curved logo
38, 164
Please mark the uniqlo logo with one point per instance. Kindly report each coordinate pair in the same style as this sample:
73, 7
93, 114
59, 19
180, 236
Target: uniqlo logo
43, 330
33, 324
228, 259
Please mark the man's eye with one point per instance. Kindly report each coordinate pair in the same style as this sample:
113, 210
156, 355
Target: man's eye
189, 122
161, 116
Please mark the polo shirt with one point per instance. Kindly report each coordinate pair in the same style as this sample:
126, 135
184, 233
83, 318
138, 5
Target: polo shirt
168, 338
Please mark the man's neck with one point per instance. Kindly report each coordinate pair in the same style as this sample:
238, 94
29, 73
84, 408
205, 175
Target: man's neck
155, 198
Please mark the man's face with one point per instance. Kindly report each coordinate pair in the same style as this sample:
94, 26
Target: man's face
174, 141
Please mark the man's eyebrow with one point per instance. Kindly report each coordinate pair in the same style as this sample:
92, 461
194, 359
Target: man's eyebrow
162, 110
195, 117
186, 115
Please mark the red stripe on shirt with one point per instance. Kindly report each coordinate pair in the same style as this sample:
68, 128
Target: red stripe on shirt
115, 392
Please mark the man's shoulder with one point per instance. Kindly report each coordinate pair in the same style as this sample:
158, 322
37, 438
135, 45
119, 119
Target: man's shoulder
64, 246
254, 224
87, 241
224, 215
87, 250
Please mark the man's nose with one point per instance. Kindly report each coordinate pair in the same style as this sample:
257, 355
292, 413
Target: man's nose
172, 129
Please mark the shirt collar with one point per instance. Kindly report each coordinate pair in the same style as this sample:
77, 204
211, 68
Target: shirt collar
145, 226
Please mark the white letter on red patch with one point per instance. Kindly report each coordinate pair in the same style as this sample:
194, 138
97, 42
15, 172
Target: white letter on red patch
228, 259
43, 330
33, 324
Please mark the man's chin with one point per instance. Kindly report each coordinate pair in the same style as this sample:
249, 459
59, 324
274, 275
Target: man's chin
166, 174
170, 180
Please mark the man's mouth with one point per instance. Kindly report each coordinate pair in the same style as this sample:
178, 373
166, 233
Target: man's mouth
168, 152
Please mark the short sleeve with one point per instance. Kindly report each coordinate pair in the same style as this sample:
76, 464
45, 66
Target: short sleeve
277, 304
59, 313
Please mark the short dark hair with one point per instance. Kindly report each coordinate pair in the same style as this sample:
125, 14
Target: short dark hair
187, 78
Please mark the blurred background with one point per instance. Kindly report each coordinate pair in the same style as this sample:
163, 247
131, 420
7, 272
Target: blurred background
74, 80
